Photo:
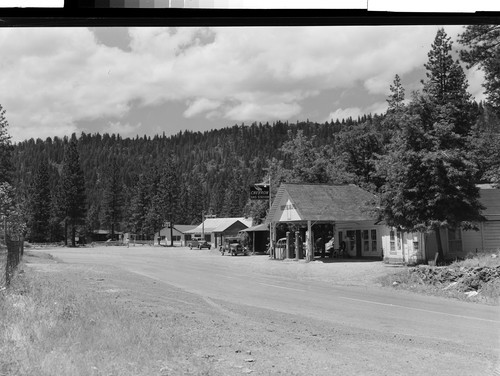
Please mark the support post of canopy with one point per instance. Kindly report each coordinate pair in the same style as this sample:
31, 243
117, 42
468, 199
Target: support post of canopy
310, 251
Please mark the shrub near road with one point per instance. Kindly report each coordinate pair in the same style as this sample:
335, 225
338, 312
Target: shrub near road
474, 279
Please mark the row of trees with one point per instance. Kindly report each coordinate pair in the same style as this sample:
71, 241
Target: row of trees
423, 157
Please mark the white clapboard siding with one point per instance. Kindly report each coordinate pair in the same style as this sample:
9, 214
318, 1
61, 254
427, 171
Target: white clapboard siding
492, 235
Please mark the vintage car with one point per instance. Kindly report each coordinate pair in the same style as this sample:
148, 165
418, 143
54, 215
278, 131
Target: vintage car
233, 245
194, 243
204, 244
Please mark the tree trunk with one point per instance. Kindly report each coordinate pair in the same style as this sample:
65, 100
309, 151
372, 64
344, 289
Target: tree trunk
171, 234
73, 235
439, 244
66, 232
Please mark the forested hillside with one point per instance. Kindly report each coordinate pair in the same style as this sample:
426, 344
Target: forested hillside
210, 166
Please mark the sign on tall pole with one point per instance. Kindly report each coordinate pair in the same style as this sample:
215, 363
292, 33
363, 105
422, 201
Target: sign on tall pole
260, 192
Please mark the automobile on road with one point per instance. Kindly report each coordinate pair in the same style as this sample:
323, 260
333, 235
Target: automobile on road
233, 246
194, 243
204, 244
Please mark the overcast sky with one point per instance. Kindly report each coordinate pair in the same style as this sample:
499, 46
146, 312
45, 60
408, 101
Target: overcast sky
137, 81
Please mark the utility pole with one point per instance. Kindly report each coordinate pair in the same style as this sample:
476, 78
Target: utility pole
203, 225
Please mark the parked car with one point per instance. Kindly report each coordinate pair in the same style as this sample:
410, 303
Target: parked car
194, 243
233, 245
204, 244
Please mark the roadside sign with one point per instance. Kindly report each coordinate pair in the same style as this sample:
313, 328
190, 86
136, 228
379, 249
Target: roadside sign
259, 192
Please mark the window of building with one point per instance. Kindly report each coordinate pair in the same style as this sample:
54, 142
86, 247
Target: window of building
350, 240
393, 242
374, 240
455, 240
366, 241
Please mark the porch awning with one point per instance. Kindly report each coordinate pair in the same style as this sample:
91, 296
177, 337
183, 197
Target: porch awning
263, 227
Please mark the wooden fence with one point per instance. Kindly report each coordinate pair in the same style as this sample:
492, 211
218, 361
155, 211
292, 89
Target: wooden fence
11, 253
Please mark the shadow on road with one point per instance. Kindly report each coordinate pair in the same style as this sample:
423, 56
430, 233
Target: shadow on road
328, 260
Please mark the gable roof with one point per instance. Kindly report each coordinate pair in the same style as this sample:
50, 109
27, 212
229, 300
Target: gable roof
217, 225
323, 202
183, 228
177, 230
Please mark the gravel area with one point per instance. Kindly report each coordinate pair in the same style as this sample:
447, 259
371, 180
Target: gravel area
347, 272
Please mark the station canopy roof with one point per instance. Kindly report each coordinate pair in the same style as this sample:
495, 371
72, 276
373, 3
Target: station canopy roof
321, 202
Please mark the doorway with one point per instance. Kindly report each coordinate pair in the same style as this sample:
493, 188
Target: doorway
358, 243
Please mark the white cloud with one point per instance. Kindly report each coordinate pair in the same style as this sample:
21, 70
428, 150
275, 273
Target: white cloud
57, 77
262, 112
121, 128
354, 112
344, 113
200, 105
475, 77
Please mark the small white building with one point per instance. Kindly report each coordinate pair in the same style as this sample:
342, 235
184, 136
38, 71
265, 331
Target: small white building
178, 234
215, 229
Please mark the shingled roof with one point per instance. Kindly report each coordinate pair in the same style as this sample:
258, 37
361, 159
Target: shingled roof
322, 202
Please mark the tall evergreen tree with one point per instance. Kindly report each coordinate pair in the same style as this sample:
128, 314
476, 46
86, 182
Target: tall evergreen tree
73, 190
112, 203
482, 44
169, 191
40, 205
397, 96
92, 221
446, 85
6, 167
429, 178
138, 207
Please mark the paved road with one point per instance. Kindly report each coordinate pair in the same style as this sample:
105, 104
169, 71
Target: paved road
447, 324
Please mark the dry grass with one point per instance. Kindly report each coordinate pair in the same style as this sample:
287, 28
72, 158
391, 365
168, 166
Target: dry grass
489, 259
49, 327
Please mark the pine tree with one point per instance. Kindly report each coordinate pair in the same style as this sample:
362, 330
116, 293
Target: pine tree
57, 215
40, 205
482, 44
169, 192
112, 203
6, 167
73, 190
92, 221
429, 178
138, 208
397, 97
